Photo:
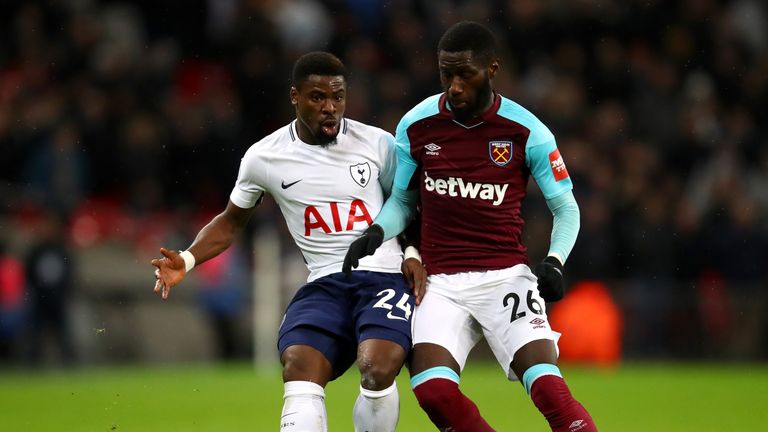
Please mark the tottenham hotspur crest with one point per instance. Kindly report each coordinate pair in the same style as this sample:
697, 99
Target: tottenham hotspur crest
361, 173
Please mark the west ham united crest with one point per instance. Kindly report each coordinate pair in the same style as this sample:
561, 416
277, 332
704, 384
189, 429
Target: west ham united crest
500, 152
361, 173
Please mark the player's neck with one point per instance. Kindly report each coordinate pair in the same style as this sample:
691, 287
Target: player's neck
306, 135
477, 115
489, 98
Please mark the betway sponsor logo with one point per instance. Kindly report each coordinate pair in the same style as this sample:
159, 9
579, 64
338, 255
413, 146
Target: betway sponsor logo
457, 187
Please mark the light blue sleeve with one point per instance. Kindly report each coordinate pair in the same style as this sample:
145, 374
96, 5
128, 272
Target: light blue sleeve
400, 208
565, 225
387, 174
541, 142
397, 212
543, 171
551, 176
558, 193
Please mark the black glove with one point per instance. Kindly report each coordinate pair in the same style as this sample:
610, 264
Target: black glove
550, 277
366, 245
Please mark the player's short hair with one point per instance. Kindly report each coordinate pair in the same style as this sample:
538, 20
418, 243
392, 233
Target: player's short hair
469, 36
316, 63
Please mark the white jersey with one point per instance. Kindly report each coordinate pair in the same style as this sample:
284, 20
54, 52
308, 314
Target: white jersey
328, 196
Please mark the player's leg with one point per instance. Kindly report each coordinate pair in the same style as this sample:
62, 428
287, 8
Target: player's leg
384, 309
313, 350
435, 383
515, 324
443, 335
306, 371
377, 407
536, 363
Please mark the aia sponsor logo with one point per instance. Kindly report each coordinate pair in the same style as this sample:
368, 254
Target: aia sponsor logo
558, 165
500, 152
318, 217
537, 323
433, 149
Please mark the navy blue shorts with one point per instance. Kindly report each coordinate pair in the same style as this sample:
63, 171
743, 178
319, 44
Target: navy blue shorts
334, 314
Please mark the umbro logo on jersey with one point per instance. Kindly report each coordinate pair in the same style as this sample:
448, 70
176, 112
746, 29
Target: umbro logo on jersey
286, 186
432, 149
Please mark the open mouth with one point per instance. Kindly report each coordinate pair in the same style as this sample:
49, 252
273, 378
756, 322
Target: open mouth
330, 127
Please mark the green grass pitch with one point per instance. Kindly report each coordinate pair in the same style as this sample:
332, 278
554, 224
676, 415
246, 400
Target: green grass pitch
634, 397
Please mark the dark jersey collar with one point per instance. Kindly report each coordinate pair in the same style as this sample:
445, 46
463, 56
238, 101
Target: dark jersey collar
485, 116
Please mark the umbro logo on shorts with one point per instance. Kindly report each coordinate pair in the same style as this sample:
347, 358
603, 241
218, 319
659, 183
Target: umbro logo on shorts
537, 323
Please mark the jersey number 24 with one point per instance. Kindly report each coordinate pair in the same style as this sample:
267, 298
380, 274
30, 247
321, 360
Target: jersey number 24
402, 304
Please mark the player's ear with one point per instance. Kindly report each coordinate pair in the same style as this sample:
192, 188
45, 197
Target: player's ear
493, 68
294, 95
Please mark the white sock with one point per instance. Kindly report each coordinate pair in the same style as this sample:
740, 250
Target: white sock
303, 408
377, 411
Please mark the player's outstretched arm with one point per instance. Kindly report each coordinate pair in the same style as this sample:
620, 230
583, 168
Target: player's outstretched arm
212, 240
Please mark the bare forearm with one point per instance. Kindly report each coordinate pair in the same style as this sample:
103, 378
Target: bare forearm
212, 240
219, 233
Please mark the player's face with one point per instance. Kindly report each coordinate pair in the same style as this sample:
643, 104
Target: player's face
467, 82
320, 101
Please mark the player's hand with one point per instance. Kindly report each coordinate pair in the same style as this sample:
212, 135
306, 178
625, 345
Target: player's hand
416, 275
550, 278
170, 271
366, 245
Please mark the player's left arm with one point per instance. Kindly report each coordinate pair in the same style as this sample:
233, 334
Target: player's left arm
396, 213
400, 207
549, 171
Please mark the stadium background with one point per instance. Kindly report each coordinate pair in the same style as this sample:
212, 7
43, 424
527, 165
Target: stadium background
127, 120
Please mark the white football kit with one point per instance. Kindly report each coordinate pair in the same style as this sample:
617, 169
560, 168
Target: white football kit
328, 195
502, 305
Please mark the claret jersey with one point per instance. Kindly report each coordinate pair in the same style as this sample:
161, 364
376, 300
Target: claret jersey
472, 180
328, 196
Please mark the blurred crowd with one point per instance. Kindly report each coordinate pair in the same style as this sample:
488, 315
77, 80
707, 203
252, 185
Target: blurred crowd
120, 111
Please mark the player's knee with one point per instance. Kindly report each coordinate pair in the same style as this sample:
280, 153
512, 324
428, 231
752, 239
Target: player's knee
292, 371
299, 366
376, 376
